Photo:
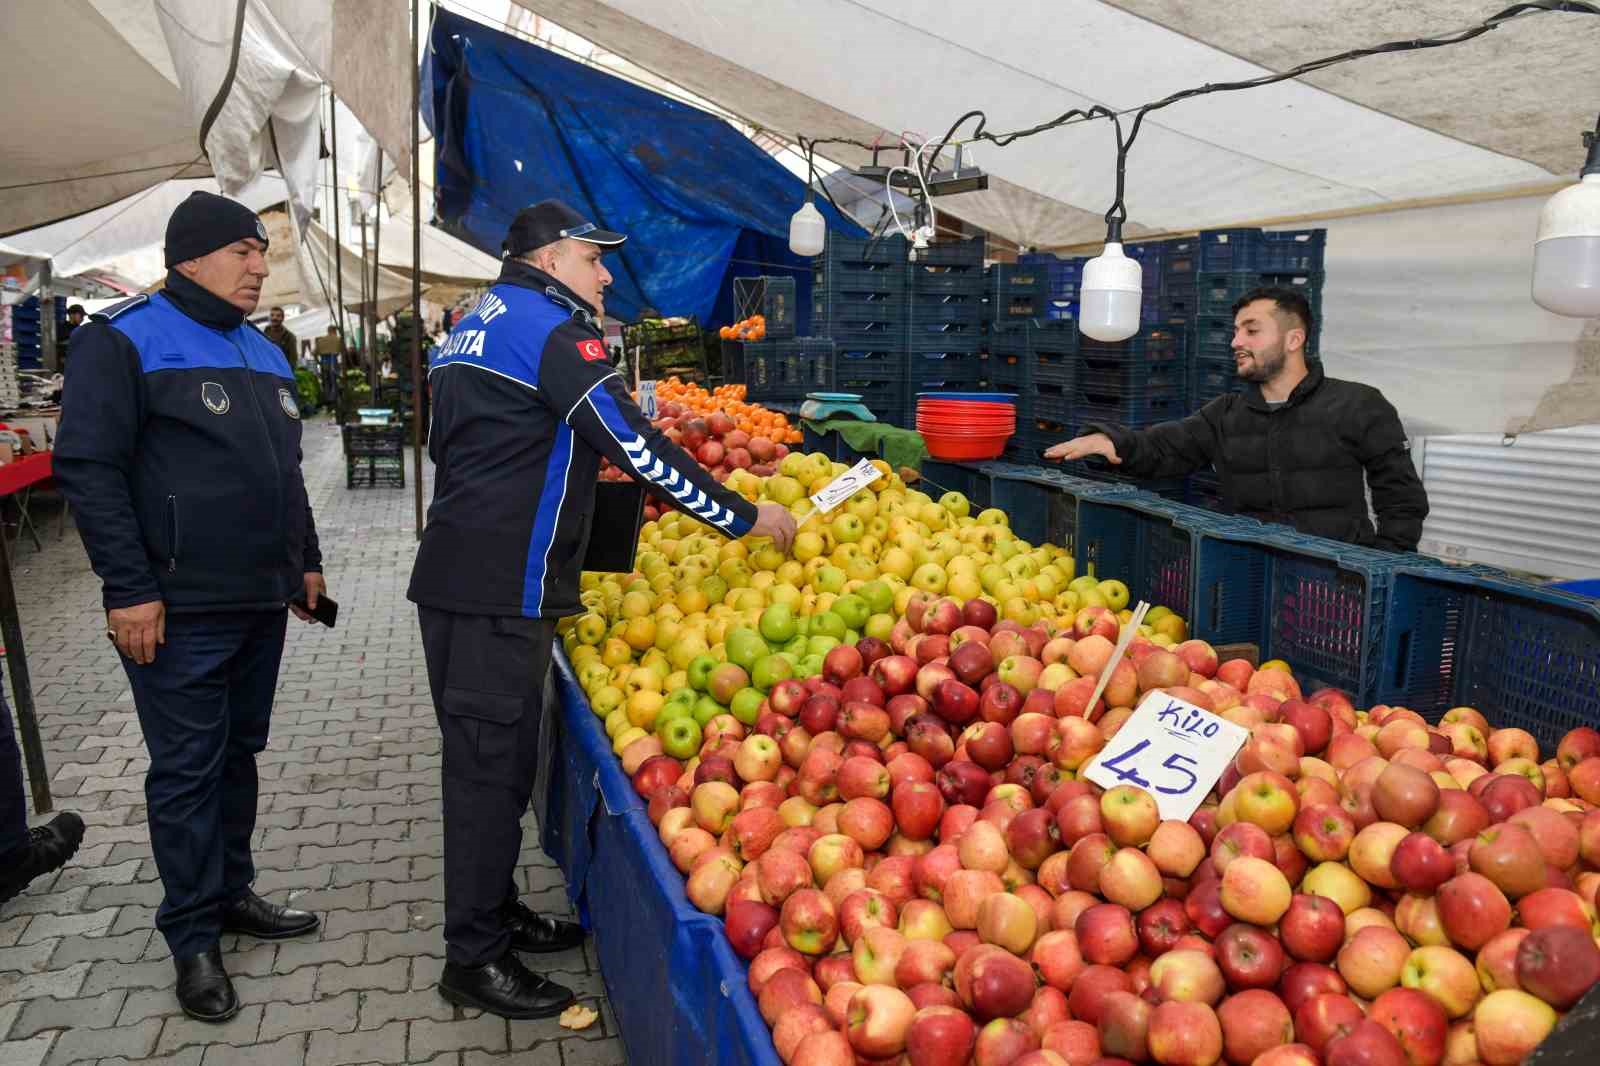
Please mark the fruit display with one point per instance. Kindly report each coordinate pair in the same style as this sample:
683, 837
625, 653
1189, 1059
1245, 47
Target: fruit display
865, 757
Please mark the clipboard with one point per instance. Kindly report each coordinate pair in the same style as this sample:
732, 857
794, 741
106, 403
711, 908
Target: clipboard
614, 530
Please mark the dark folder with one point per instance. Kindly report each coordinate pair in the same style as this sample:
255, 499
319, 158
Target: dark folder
614, 532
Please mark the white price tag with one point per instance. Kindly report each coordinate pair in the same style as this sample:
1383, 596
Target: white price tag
647, 398
1173, 750
846, 485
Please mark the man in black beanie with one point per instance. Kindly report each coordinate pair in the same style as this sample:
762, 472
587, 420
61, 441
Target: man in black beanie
179, 451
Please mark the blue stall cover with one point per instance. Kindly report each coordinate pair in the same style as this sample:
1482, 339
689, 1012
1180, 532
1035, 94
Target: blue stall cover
514, 123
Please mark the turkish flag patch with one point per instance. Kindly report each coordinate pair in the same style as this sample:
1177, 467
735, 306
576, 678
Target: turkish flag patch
592, 351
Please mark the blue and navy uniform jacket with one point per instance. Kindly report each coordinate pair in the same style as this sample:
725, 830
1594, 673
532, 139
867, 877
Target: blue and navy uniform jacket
525, 403
179, 451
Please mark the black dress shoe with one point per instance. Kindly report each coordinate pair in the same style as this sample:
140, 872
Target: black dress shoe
504, 987
254, 916
538, 934
204, 991
48, 848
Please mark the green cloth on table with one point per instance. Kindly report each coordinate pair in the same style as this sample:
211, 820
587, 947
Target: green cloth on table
899, 447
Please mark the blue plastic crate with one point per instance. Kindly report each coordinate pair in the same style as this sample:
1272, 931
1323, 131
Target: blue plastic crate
1062, 276
1525, 655
1014, 295
889, 250
1327, 603
1180, 259
1042, 503
771, 297
952, 253
1151, 346
805, 364
1210, 378
939, 477
1137, 411
1274, 252
1217, 293
831, 444
855, 365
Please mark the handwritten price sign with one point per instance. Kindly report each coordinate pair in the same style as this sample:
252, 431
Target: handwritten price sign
1173, 750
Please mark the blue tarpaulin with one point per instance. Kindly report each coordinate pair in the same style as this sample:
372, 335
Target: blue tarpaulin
514, 123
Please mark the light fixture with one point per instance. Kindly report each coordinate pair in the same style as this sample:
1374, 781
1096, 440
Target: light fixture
1111, 291
807, 231
1566, 253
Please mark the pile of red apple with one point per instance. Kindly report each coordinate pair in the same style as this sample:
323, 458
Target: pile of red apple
904, 853
715, 442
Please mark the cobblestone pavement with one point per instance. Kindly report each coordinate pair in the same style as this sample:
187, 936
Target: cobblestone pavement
349, 827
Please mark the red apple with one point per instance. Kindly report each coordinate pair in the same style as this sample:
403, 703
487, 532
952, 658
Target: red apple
1253, 1022
1249, 957
1558, 964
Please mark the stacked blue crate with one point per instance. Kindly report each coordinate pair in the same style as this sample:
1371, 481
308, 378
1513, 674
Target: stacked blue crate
944, 319
1061, 278
26, 327
1039, 363
858, 301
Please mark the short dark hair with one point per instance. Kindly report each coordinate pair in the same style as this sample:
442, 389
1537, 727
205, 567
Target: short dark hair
78, 308
1290, 301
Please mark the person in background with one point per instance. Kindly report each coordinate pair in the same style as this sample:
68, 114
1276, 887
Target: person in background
26, 854
179, 452
1295, 447
280, 335
525, 403
75, 315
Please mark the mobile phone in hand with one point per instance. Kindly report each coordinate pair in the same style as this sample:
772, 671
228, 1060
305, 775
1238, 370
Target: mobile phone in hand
327, 611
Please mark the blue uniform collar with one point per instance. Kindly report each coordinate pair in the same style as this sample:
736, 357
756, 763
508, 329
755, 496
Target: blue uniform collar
200, 304
515, 272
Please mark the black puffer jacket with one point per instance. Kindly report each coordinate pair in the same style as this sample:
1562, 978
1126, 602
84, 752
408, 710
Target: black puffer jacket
1301, 464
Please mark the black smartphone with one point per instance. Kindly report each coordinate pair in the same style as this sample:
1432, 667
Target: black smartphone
327, 611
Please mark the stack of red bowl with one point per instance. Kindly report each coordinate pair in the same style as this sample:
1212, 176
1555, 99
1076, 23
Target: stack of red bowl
966, 425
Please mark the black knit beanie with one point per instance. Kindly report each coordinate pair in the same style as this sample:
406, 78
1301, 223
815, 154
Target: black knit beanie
205, 222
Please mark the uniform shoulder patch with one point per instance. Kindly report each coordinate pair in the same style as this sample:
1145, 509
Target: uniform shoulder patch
592, 351
125, 306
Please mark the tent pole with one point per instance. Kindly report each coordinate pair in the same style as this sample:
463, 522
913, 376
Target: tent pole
366, 334
372, 313
418, 382
338, 241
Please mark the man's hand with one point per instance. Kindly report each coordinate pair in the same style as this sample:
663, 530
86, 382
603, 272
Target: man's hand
774, 520
315, 587
138, 629
1083, 447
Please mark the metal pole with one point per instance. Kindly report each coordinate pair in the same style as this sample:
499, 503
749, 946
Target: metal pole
21, 686
377, 232
338, 242
366, 334
47, 318
418, 382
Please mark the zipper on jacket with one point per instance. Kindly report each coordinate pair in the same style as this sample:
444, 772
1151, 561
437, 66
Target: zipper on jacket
172, 534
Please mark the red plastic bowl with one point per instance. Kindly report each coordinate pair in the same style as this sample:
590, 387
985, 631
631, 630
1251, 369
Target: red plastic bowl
956, 448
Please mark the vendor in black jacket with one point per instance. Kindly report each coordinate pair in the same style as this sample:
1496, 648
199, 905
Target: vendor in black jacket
525, 403
1294, 447
179, 452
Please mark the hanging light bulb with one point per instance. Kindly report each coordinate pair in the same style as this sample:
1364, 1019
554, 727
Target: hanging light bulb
807, 231
1111, 291
1566, 253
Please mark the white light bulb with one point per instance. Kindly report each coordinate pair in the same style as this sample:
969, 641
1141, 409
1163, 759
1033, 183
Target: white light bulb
807, 231
1109, 295
1566, 253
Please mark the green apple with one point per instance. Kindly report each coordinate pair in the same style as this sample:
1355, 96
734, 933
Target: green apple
1115, 593
828, 624
706, 708
680, 737
810, 666
684, 695
879, 626
778, 624
797, 646
853, 609
993, 516
769, 670
745, 646
1085, 583
848, 528
669, 711
715, 588
699, 671
879, 596
829, 579
747, 705
819, 645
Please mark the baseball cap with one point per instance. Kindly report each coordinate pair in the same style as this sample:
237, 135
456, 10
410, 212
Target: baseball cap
549, 221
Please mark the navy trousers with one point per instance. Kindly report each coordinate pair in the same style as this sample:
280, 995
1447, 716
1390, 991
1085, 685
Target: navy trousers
204, 705
13, 794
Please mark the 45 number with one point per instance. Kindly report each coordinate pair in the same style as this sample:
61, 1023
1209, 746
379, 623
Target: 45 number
1121, 766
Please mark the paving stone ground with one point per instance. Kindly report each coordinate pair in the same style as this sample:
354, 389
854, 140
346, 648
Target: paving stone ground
349, 827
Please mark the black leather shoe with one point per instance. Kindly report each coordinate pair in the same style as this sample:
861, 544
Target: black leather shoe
504, 987
538, 934
204, 991
48, 848
254, 916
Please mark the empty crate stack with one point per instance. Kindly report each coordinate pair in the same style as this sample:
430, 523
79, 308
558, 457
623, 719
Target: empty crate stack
27, 332
1038, 362
944, 319
858, 302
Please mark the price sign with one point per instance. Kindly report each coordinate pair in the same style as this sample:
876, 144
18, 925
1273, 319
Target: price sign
647, 398
846, 485
1173, 750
